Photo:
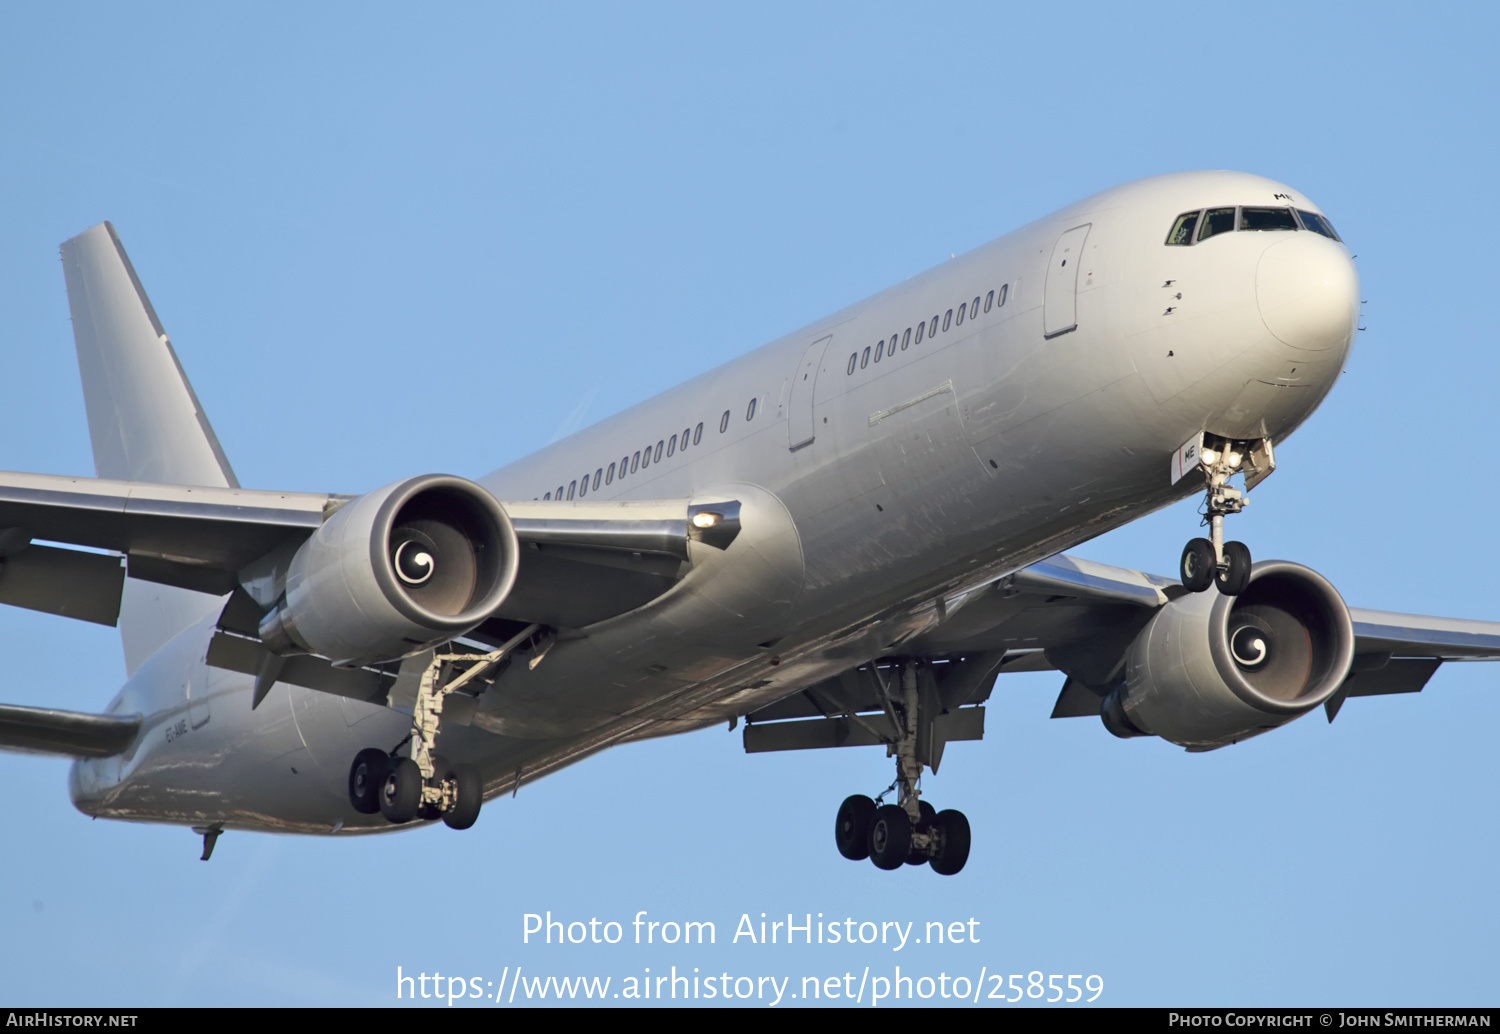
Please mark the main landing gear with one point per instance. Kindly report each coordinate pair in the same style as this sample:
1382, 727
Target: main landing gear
911, 831
425, 785
1212, 561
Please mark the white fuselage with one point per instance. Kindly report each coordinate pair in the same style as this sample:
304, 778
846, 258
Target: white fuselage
903, 474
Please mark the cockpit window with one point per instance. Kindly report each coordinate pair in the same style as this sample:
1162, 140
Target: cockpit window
1267, 219
1216, 220
1182, 229
1317, 224
1223, 220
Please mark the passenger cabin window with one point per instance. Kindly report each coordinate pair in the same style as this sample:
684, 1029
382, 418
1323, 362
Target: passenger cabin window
906, 339
671, 445
1317, 224
974, 307
921, 327
1004, 290
989, 300
660, 445
879, 349
559, 494
635, 463
853, 359
947, 320
1216, 221
547, 496
1267, 219
583, 489
932, 328
609, 475
646, 457
698, 433
863, 362
685, 432
750, 409
598, 476
724, 420
961, 309
572, 487
1182, 229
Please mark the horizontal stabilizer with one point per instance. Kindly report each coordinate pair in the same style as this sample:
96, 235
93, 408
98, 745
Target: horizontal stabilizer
42, 730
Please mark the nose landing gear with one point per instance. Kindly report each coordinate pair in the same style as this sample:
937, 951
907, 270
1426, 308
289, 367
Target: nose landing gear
1212, 561
911, 831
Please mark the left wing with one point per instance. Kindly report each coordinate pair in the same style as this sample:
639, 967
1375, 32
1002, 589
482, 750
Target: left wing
1076, 616
1079, 617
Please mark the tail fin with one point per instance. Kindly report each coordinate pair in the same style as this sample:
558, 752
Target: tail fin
145, 422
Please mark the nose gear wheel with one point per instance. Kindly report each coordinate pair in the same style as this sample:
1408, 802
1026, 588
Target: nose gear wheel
1212, 561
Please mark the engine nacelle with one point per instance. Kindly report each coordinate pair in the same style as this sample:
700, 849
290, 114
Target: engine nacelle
1211, 669
395, 572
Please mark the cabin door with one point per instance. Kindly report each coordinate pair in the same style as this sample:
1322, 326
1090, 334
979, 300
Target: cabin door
1060, 305
800, 408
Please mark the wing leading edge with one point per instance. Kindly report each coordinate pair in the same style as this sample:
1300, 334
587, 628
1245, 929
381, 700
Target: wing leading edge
1061, 612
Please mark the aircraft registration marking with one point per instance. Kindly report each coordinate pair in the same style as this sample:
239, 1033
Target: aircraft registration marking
1186, 457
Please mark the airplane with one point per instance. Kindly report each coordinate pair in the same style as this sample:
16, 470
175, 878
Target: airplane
842, 538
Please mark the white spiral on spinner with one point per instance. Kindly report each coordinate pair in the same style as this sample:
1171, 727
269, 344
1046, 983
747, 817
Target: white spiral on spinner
421, 563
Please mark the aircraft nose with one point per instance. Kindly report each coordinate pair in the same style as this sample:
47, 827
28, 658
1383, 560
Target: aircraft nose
1308, 292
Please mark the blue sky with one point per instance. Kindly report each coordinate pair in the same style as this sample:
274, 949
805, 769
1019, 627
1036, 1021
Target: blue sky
389, 240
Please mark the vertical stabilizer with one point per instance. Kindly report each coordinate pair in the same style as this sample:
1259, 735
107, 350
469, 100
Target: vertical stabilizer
145, 422
144, 419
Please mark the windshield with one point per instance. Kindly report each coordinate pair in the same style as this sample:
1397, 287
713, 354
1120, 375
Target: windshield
1317, 224
1199, 226
1267, 219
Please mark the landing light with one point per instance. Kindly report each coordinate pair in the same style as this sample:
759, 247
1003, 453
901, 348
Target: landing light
1209, 456
706, 519
1233, 459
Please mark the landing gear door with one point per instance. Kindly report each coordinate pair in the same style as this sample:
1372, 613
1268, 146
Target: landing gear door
800, 412
1059, 307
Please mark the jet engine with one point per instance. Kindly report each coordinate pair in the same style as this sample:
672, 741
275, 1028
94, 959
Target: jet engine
1210, 670
395, 572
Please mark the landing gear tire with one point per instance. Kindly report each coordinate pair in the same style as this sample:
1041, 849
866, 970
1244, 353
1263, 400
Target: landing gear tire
401, 792
1198, 565
851, 828
365, 778
1234, 576
953, 850
890, 837
928, 814
467, 797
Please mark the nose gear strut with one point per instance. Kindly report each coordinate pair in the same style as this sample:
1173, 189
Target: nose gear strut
1212, 561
